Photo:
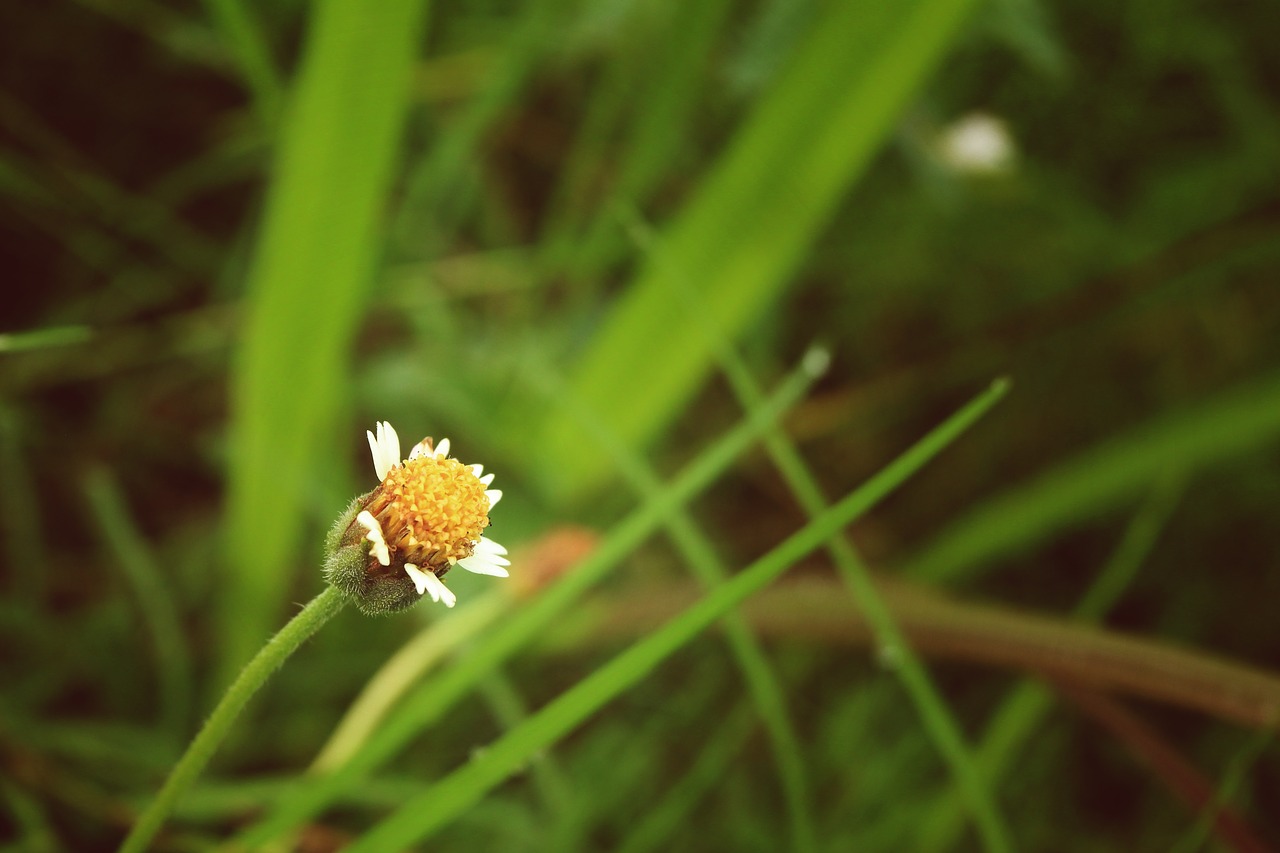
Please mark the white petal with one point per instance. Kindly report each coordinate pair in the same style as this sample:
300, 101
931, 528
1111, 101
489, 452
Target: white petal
433, 586
385, 448
369, 523
391, 446
442, 449
419, 579
487, 559
375, 450
481, 564
487, 545
486, 479
478, 470
419, 449
494, 495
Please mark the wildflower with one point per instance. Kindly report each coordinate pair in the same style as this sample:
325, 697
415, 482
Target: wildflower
427, 515
977, 144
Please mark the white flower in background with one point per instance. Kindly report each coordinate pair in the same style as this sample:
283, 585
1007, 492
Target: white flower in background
427, 515
977, 143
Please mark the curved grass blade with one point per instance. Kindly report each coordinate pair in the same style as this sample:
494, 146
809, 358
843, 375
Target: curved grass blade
704, 562
429, 812
1101, 478
430, 701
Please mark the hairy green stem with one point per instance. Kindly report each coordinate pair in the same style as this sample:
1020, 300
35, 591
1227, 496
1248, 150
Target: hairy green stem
299, 629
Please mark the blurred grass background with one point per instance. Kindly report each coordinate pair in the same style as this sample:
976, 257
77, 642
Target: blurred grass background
576, 237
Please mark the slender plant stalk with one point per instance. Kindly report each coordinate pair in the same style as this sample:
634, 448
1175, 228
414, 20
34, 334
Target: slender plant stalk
1027, 704
243, 35
707, 566
426, 813
428, 703
661, 819
950, 629
299, 629
939, 724
156, 604
404, 669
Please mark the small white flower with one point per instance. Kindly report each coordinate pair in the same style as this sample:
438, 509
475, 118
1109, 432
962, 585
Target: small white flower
977, 143
428, 513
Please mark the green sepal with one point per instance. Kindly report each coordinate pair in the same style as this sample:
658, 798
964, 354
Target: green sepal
348, 565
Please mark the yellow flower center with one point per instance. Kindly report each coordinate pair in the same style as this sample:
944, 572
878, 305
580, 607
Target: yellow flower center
432, 511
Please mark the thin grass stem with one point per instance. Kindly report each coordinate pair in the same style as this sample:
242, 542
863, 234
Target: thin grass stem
705, 564
662, 820
941, 726
422, 816
155, 601
1029, 702
939, 723
429, 702
402, 670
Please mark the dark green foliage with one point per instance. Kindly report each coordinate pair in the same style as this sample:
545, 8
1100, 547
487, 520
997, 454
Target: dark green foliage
230, 245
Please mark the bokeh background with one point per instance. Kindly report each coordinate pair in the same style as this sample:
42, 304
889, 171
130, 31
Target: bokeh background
235, 235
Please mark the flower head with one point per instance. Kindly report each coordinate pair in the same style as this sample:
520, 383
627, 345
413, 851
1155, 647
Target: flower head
427, 515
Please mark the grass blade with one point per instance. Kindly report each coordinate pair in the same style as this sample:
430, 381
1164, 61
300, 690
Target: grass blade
1100, 478
939, 723
664, 818
433, 809
244, 37
746, 229
762, 682
156, 603
319, 241
1026, 706
430, 701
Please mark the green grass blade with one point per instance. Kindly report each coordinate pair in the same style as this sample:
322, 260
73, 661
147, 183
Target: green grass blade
554, 789
29, 821
645, 106
665, 817
749, 224
1026, 706
429, 702
159, 610
38, 339
943, 729
439, 188
20, 516
703, 561
401, 671
1101, 478
1249, 754
253, 55
307, 285
939, 723
442, 802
